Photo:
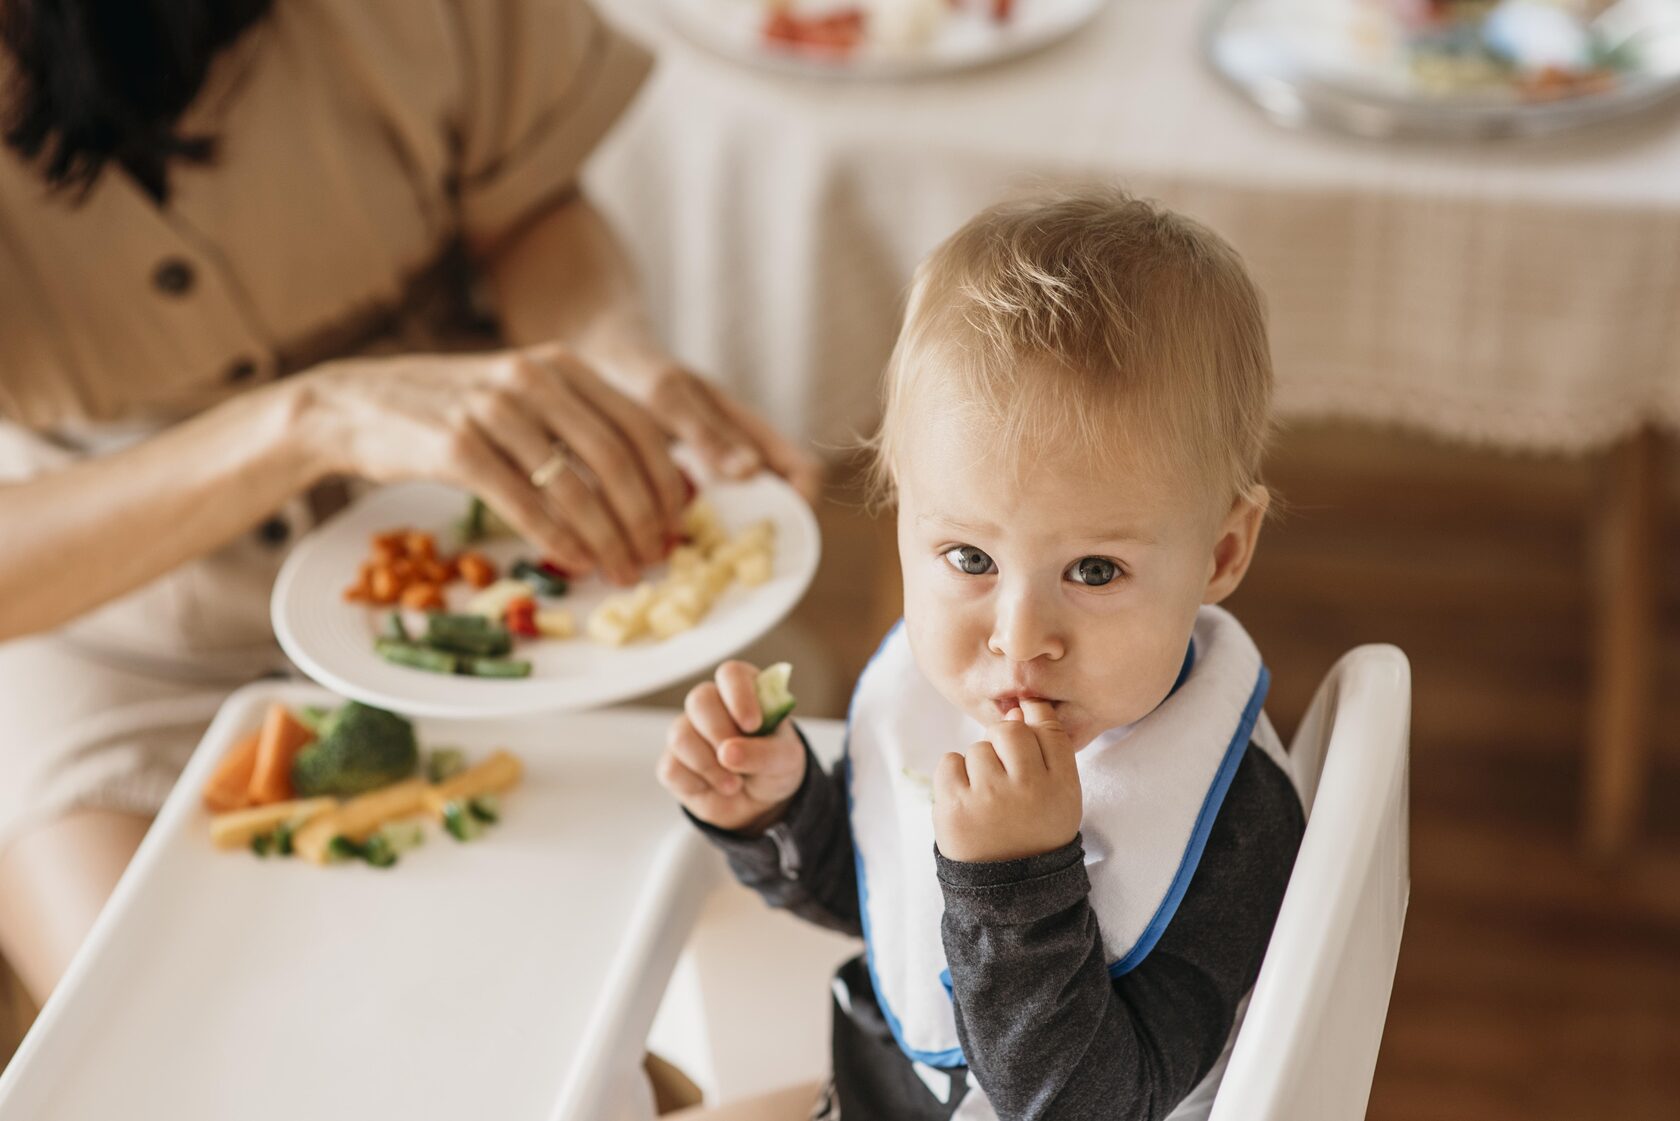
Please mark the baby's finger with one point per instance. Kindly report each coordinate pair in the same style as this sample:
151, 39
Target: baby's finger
737, 682
1052, 738
951, 775
983, 763
678, 779
760, 757
705, 710
698, 756
1018, 749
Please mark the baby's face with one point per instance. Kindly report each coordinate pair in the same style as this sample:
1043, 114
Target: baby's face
1060, 580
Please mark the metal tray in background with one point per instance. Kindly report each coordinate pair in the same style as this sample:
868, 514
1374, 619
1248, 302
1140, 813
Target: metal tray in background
1263, 55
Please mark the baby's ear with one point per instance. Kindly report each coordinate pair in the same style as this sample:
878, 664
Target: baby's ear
1233, 549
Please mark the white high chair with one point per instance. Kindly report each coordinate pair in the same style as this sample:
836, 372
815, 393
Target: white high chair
1308, 1048
747, 1011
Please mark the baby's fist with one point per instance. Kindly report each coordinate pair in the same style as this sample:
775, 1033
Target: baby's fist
1013, 796
719, 770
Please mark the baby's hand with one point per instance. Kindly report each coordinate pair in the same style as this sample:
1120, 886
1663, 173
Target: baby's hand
1015, 796
719, 771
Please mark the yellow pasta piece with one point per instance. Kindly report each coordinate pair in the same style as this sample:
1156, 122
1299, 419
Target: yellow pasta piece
669, 618
760, 535
692, 596
610, 624
753, 568
555, 622
235, 830
501, 771
360, 817
686, 559
716, 577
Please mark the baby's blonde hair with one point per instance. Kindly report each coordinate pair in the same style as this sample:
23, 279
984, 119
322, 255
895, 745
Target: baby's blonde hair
1088, 321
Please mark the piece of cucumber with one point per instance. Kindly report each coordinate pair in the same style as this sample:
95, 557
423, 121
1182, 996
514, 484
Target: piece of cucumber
444, 763
487, 808
402, 836
775, 701
459, 822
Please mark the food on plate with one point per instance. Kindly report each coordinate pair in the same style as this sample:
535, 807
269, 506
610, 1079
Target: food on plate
700, 572
466, 644
492, 602
827, 31
404, 566
775, 700
544, 577
360, 748
555, 622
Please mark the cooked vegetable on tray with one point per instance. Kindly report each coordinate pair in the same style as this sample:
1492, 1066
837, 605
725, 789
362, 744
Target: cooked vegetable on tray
366, 755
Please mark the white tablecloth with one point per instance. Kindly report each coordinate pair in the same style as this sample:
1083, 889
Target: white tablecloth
1521, 294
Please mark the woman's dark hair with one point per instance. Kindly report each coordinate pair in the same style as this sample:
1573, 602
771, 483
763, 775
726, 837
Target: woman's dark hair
101, 80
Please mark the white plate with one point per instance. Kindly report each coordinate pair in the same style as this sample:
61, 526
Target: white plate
332, 641
513, 977
964, 38
1301, 70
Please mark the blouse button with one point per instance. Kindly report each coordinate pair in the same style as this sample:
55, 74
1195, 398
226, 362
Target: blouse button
173, 277
274, 532
242, 370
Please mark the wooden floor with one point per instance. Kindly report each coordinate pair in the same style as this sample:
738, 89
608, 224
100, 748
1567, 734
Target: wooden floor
1533, 984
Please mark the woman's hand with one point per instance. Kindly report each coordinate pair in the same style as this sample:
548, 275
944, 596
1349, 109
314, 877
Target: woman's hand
718, 769
487, 423
730, 438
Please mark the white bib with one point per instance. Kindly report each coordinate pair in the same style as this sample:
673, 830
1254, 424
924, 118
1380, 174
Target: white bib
1151, 792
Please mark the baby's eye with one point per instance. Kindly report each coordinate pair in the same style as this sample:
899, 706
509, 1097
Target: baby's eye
1094, 572
969, 560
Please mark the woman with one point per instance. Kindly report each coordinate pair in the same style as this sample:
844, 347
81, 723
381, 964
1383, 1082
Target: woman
249, 248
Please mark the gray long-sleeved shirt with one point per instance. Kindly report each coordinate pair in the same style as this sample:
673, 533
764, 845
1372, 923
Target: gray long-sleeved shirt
1048, 1034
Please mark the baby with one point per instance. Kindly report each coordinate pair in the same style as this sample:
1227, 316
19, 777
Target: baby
1063, 826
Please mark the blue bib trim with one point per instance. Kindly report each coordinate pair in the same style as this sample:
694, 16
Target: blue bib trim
1234, 753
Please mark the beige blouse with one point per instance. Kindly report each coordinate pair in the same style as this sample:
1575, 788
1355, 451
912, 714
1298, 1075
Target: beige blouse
357, 140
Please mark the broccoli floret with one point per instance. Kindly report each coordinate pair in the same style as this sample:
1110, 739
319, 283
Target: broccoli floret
361, 748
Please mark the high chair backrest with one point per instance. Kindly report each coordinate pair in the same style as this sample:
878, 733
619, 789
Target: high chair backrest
1308, 1048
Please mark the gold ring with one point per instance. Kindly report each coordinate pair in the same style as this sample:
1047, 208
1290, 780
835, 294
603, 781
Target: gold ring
552, 467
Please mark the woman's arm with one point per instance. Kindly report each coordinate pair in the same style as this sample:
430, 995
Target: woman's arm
78, 537
75, 538
565, 277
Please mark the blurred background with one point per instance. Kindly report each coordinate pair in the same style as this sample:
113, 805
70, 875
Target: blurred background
1467, 224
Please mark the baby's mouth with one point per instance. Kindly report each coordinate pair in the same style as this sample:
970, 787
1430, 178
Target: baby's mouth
1007, 702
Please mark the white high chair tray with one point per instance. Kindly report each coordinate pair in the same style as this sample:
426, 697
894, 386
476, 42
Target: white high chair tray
515, 976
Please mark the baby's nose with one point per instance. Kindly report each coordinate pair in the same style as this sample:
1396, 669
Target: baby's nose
1024, 631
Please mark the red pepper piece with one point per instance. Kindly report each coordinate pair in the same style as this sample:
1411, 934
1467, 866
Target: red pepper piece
521, 618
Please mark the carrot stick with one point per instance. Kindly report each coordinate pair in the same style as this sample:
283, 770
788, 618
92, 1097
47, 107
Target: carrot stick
229, 785
281, 738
